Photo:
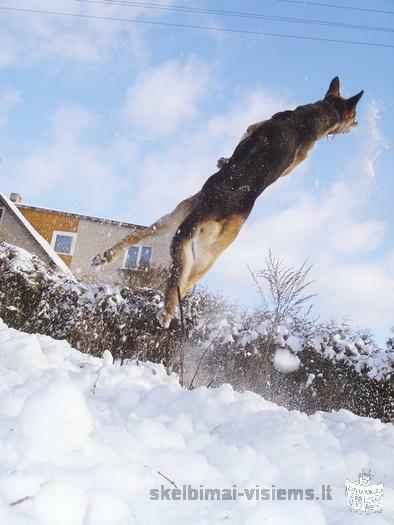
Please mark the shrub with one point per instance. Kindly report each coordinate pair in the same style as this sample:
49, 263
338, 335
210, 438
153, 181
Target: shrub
296, 362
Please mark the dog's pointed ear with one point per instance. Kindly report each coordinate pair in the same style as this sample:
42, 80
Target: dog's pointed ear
352, 101
333, 90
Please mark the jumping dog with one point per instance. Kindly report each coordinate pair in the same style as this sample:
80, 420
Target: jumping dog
209, 221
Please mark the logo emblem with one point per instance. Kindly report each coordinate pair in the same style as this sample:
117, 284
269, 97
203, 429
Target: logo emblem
362, 496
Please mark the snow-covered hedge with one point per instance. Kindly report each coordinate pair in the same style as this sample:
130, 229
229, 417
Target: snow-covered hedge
302, 366
36, 298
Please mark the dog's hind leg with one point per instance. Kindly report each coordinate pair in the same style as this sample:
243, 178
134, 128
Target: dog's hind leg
168, 222
211, 239
178, 280
194, 255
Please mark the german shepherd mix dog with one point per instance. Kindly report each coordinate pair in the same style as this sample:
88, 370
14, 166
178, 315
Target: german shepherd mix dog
210, 220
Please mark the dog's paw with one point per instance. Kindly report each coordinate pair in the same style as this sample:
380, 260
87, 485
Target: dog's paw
102, 258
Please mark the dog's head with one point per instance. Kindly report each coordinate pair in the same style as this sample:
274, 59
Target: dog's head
346, 107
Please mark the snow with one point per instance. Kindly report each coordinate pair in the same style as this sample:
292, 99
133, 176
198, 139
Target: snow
295, 343
39, 239
54, 421
285, 361
58, 495
84, 440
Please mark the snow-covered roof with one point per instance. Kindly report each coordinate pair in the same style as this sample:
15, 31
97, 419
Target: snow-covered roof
53, 256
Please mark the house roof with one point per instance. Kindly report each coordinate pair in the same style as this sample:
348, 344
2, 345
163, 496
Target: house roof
81, 216
53, 256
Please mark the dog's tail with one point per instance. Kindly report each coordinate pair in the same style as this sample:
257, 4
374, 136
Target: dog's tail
169, 222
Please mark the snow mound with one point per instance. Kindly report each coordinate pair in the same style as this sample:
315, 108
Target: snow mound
55, 420
85, 441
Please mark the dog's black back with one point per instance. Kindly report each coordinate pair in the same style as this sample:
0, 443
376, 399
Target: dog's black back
260, 159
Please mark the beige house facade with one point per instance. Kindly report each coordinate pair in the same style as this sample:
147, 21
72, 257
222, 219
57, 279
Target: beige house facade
77, 238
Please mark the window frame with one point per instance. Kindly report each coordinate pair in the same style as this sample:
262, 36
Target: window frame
2, 208
137, 268
73, 235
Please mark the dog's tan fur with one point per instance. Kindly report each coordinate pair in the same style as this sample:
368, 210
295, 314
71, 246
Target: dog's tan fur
200, 252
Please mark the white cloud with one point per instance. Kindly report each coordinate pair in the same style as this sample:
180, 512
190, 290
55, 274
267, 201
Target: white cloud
167, 175
361, 291
9, 98
70, 123
248, 107
166, 96
30, 37
314, 225
8, 52
86, 176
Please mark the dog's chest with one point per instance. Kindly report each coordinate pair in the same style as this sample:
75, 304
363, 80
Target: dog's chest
300, 155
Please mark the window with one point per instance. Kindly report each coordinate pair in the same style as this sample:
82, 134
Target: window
145, 257
63, 242
2, 212
132, 257
138, 258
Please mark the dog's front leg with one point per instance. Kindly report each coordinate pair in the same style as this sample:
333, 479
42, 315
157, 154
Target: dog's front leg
166, 223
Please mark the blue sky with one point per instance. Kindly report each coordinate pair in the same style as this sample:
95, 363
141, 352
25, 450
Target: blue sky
124, 120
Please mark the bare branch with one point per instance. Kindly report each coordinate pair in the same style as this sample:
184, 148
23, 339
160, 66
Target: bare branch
284, 291
168, 479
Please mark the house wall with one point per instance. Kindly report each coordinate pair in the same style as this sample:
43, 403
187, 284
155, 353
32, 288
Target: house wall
46, 222
12, 231
95, 237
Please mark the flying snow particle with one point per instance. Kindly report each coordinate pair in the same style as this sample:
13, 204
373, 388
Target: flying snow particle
285, 361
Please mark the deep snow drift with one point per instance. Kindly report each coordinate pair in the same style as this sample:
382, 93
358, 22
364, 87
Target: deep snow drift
84, 440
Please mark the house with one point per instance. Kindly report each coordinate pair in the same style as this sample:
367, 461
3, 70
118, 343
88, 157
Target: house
16, 229
75, 239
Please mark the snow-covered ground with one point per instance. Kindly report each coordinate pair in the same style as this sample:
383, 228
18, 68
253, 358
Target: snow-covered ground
84, 441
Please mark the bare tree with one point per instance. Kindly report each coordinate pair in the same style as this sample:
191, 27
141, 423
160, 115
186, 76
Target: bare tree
283, 290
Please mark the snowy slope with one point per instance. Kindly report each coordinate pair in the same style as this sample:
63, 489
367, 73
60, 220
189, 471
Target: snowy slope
82, 442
